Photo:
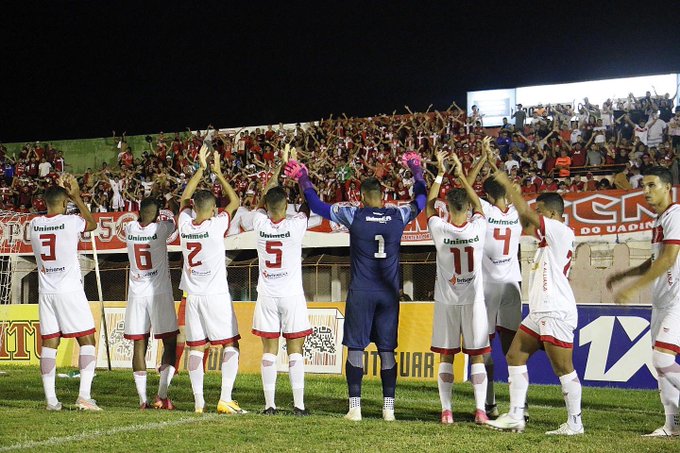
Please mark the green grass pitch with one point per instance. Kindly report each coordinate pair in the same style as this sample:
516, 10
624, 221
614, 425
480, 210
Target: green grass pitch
614, 419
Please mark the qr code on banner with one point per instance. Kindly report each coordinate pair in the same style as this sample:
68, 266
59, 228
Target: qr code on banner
323, 348
120, 348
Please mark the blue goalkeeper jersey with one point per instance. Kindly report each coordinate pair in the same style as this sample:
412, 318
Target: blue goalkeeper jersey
375, 238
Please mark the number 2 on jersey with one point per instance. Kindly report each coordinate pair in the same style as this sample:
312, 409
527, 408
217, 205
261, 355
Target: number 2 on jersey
381, 247
274, 248
470, 252
194, 248
143, 257
505, 237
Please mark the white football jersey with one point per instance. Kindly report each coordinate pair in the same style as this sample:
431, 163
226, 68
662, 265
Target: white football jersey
460, 250
666, 289
55, 245
148, 255
549, 288
503, 232
279, 251
205, 270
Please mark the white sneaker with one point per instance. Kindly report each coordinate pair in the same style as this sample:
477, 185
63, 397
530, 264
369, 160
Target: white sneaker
566, 430
388, 415
53, 407
87, 404
507, 423
354, 414
662, 432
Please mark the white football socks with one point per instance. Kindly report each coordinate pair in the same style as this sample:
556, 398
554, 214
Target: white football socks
196, 377
479, 384
167, 373
296, 373
518, 377
87, 364
229, 370
571, 388
445, 384
140, 383
48, 370
269, 374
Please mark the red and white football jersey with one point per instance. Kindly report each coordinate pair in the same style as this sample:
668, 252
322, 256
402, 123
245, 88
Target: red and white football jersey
549, 288
148, 254
279, 251
55, 245
666, 289
205, 270
503, 233
460, 249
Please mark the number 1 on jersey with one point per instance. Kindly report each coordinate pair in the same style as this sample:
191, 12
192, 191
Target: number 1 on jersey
381, 247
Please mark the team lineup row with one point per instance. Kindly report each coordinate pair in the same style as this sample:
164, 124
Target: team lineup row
476, 289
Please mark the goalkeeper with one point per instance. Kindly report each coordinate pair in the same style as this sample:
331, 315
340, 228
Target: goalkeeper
372, 310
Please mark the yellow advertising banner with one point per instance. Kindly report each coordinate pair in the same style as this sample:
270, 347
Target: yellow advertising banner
323, 349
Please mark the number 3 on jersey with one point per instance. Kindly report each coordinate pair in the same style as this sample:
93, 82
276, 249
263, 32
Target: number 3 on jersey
48, 241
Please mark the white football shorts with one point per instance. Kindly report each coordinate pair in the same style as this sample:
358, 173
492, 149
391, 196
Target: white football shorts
144, 312
503, 306
452, 321
552, 327
665, 327
65, 315
281, 315
210, 319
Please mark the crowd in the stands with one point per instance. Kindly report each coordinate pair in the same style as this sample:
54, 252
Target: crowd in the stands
563, 147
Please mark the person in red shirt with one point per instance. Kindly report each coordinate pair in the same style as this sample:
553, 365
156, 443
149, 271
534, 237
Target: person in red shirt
549, 185
576, 184
578, 156
591, 183
528, 187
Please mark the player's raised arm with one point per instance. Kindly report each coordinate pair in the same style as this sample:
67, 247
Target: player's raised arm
434, 190
526, 214
185, 200
234, 200
412, 161
70, 183
479, 164
648, 271
299, 173
472, 195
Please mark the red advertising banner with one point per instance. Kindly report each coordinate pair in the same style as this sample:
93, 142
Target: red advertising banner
590, 214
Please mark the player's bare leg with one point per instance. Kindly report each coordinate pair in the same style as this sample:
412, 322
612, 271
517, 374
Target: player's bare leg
354, 372
388, 376
479, 380
270, 348
48, 371
668, 371
296, 373
86, 363
230, 355
167, 372
563, 366
196, 372
522, 347
445, 386
139, 370
506, 337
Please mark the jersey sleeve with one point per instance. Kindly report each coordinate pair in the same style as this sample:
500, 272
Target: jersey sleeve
479, 221
185, 215
257, 218
550, 231
435, 224
671, 228
344, 215
167, 228
223, 219
126, 230
79, 223
486, 207
408, 212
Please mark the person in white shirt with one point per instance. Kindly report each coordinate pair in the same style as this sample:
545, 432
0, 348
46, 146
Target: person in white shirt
150, 301
552, 315
656, 128
662, 270
501, 269
63, 308
44, 168
281, 308
210, 316
459, 288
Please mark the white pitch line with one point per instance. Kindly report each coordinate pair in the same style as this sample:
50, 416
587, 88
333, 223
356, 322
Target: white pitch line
109, 432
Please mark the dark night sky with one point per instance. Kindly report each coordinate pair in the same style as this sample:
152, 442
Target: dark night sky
80, 69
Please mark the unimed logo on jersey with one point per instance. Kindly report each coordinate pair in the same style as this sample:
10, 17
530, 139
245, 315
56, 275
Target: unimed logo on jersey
620, 346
